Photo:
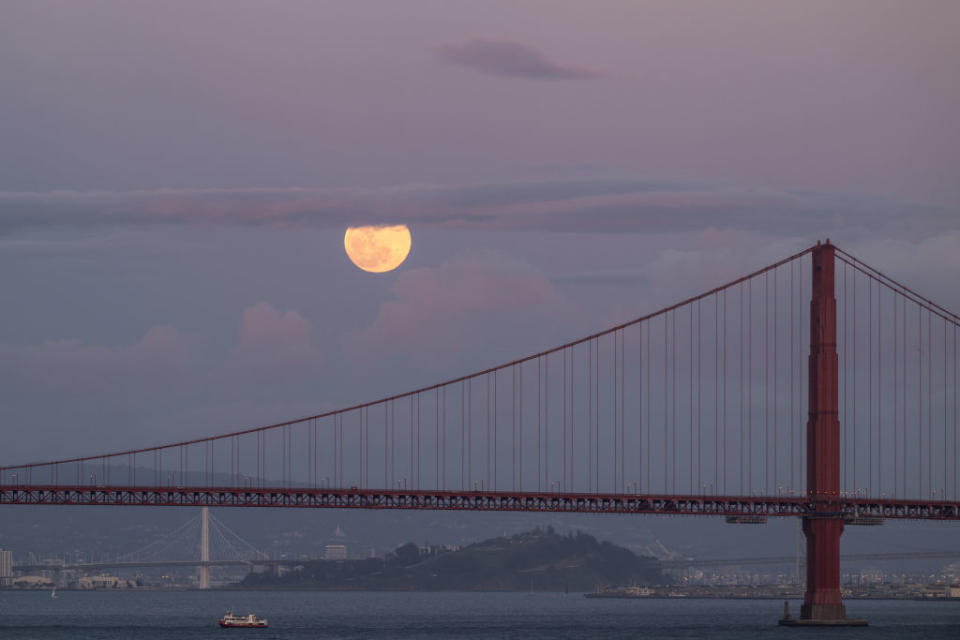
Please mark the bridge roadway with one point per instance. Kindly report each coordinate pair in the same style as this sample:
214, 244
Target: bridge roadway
667, 564
422, 499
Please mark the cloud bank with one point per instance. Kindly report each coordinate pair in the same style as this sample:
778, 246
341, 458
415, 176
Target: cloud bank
498, 57
272, 343
597, 206
438, 313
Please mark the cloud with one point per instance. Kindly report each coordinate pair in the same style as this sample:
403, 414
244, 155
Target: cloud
508, 58
71, 365
269, 343
588, 206
440, 313
272, 343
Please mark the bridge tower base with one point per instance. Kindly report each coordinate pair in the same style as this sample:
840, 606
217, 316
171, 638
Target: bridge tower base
822, 603
205, 547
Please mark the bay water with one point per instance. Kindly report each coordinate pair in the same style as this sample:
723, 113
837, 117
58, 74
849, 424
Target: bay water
183, 615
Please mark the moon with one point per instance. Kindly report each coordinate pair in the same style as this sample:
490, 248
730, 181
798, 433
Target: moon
377, 249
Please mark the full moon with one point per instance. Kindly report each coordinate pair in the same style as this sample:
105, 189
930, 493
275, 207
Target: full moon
377, 249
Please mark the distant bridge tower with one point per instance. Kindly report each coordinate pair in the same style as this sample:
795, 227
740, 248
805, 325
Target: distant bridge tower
205, 547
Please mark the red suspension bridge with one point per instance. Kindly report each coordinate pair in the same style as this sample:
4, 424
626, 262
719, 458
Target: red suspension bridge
816, 387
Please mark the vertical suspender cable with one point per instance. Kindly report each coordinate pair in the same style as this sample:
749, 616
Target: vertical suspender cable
792, 430
896, 383
699, 393
366, 450
673, 410
437, 443
616, 411
724, 387
716, 393
766, 382
469, 432
513, 427
419, 442
904, 397
411, 444
520, 409
387, 446
640, 447
776, 387
740, 362
920, 402
649, 402
854, 398
804, 380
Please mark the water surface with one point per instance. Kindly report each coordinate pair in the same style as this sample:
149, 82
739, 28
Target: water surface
109, 615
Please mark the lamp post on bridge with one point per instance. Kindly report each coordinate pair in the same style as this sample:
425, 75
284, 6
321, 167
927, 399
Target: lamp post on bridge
822, 602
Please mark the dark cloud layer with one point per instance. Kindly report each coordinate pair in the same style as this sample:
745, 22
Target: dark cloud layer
597, 206
508, 58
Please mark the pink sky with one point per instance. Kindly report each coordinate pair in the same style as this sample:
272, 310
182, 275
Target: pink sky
176, 177
858, 96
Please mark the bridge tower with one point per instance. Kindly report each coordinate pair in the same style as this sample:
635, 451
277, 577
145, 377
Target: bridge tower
205, 547
822, 602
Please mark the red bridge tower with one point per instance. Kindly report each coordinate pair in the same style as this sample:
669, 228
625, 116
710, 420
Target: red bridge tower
822, 603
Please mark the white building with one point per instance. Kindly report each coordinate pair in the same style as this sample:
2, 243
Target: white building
6, 567
102, 582
335, 552
33, 582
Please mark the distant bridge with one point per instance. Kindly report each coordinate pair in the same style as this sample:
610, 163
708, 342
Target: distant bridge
666, 564
96, 566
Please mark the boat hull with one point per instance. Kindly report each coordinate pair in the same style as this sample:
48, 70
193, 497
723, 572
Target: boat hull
243, 625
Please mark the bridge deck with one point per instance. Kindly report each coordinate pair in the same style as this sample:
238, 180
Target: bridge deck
354, 498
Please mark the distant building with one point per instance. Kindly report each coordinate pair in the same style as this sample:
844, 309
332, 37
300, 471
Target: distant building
337, 547
102, 582
335, 552
32, 582
6, 567
436, 549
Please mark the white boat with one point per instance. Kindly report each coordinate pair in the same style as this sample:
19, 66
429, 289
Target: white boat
247, 621
53, 594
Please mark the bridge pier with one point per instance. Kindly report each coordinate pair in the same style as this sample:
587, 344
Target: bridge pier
822, 602
205, 547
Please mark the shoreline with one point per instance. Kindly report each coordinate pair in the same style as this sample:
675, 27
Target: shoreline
589, 595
